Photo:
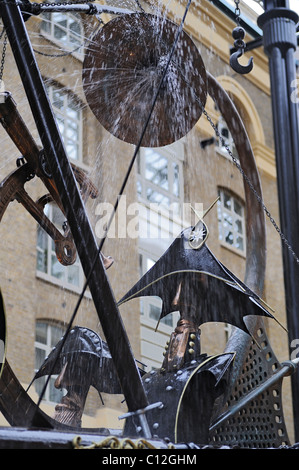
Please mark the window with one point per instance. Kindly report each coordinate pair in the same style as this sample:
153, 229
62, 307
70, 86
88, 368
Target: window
47, 264
47, 336
231, 221
152, 341
68, 115
160, 178
64, 28
226, 139
151, 307
160, 189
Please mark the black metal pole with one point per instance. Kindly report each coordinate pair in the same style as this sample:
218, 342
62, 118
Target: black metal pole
63, 176
279, 36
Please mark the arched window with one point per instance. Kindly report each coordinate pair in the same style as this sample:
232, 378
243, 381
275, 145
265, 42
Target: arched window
231, 221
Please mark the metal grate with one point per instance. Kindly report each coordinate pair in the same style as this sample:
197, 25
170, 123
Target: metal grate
260, 423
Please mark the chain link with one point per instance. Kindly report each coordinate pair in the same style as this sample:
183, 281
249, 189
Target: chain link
3, 55
237, 11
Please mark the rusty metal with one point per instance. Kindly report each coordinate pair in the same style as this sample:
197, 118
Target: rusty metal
121, 72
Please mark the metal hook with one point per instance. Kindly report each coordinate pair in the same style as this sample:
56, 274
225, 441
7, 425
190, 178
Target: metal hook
238, 34
242, 69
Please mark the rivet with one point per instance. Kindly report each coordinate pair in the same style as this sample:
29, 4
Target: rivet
191, 351
169, 388
191, 344
155, 425
147, 380
192, 336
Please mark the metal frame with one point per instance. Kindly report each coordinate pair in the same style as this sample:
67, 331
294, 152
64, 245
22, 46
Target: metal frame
280, 50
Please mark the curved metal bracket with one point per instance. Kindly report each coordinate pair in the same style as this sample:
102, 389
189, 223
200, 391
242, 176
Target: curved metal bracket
236, 66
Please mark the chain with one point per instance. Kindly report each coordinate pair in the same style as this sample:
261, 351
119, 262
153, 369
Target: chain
3, 55
237, 11
113, 442
258, 197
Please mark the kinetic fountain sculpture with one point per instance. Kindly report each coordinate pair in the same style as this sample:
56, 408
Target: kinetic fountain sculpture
190, 388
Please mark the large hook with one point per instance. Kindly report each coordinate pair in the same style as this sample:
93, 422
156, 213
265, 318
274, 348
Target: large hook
238, 34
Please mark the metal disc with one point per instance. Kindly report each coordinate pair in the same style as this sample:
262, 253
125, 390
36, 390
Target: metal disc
122, 70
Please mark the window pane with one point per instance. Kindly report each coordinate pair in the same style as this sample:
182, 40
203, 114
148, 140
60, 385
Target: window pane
156, 169
176, 180
55, 394
42, 261
58, 218
57, 100
168, 320
73, 275
69, 118
57, 270
229, 238
239, 226
46, 23
240, 243
40, 355
227, 201
231, 222
238, 207
154, 312
155, 196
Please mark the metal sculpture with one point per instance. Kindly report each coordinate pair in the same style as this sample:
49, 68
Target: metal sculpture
238, 35
82, 361
139, 66
186, 372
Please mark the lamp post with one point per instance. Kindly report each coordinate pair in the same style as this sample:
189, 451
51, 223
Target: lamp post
278, 23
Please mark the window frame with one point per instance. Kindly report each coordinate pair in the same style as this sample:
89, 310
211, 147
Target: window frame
235, 217
173, 158
67, 97
151, 337
47, 18
47, 347
50, 253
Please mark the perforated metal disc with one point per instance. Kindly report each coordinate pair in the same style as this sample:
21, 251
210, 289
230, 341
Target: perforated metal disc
122, 70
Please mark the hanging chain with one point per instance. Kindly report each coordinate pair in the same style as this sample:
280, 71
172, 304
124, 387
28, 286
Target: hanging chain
3, 55
237, 11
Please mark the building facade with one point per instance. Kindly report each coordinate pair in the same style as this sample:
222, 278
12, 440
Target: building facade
40, 294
